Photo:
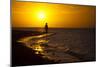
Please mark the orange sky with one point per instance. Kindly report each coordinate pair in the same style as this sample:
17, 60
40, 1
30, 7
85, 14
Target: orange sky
26, 14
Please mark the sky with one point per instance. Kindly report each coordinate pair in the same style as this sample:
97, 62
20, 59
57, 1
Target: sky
35, 14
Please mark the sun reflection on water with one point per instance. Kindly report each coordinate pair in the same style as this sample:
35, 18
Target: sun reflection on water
38, 48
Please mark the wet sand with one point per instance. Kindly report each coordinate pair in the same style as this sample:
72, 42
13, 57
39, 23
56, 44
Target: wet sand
63, 47
22, 55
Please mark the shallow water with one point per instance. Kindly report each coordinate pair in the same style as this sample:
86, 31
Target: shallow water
66, 45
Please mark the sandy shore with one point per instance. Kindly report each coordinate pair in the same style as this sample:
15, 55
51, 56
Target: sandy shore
66, 46
22, 55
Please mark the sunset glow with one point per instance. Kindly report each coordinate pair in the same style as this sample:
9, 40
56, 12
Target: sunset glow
33, 14
41, 15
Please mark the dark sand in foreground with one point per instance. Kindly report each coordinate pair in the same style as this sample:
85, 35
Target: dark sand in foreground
22, 55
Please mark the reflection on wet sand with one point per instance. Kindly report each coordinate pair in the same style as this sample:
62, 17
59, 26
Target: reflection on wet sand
52, 52
39, 49
64, 46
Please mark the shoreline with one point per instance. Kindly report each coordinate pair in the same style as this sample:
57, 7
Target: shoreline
22, 55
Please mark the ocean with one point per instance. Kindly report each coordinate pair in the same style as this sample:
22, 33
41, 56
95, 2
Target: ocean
65, 45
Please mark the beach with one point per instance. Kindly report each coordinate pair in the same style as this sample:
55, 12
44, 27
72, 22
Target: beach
57, 46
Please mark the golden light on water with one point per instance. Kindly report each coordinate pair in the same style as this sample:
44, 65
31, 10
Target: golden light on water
38, 49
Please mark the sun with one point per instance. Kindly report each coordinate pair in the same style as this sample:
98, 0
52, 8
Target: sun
41, 15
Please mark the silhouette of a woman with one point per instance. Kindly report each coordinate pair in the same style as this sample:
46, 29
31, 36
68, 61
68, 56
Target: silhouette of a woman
46, 28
